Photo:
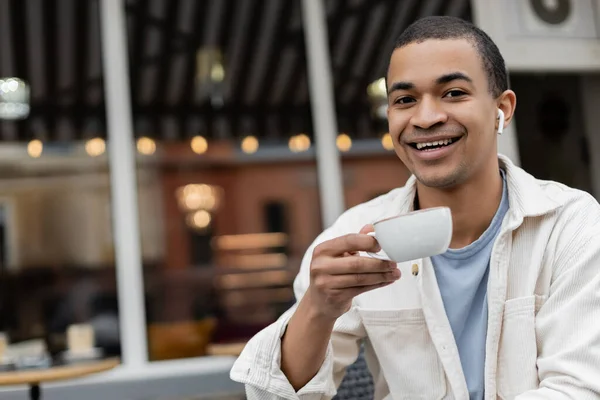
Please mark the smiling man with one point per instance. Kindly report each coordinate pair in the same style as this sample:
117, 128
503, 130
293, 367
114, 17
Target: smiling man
510, 311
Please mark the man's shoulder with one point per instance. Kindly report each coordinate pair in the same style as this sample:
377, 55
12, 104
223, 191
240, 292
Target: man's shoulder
576, 226
571, 202
546, 197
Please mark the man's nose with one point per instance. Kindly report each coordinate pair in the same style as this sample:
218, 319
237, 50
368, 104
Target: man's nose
428, 113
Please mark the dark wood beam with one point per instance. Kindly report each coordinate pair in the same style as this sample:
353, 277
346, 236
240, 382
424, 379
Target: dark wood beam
140, 13
241, 82
161, 24
19, 36
80, 48
268, 77
50, 29
345, 78
196, 40
378, 49
166, 45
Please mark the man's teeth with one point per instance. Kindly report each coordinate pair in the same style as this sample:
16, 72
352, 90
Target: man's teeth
432, 144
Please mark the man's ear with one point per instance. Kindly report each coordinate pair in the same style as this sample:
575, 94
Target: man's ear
506, 103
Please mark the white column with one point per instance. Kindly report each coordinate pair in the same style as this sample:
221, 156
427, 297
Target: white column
590, 93
121, 155
331, 187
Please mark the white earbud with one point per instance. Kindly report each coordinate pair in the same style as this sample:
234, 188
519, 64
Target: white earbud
500, 121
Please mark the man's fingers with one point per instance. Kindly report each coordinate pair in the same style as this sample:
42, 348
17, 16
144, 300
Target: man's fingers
354, 265
353, 292
350, 243
366, 229
353, 281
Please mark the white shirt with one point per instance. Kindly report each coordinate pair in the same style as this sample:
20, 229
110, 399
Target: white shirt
543, 337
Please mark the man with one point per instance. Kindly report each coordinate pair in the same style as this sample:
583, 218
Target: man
511, 310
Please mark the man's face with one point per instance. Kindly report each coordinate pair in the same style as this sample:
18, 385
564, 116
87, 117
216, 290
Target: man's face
441, 114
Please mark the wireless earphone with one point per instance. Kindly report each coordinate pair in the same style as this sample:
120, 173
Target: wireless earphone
500, 121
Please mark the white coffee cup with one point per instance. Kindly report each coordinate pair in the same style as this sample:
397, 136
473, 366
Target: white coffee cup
415, 235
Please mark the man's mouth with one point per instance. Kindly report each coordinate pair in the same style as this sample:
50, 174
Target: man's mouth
428, 146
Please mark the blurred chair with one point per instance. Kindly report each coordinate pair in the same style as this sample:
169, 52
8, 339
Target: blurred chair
183, 339
358, 382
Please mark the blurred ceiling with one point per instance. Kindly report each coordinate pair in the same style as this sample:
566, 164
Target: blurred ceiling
221, 68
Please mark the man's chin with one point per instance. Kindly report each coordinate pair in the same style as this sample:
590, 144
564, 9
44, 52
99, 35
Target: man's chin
437, 180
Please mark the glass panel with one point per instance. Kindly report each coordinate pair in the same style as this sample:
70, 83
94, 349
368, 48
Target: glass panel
553, 143
361, 38
226, 172
56, 244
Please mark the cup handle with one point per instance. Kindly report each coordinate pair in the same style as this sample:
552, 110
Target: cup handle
376, 255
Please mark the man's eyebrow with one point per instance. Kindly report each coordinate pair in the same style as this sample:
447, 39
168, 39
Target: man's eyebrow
453, 76
446, 78
401, 86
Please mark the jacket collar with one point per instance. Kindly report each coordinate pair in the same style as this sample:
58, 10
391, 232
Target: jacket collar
525, 195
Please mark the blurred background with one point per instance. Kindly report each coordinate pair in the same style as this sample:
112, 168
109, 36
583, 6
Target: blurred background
230, 185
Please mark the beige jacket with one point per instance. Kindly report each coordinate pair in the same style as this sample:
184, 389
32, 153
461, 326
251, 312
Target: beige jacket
544, 310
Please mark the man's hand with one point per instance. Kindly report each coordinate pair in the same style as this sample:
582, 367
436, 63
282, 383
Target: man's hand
338, 273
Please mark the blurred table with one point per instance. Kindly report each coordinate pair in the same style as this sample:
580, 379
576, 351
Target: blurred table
225, 349
33, 377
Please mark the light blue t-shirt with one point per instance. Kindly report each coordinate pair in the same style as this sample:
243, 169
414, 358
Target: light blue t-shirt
462, 276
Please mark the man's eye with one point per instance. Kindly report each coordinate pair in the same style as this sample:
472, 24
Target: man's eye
454, 93
404, 100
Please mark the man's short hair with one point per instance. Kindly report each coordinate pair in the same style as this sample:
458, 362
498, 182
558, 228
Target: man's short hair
444, 28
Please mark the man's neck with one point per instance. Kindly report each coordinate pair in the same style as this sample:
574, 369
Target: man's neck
473, 205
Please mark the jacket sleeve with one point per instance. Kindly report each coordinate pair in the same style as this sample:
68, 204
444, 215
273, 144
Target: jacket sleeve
259, 365
567, 324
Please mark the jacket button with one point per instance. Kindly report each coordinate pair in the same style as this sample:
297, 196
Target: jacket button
415, 269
